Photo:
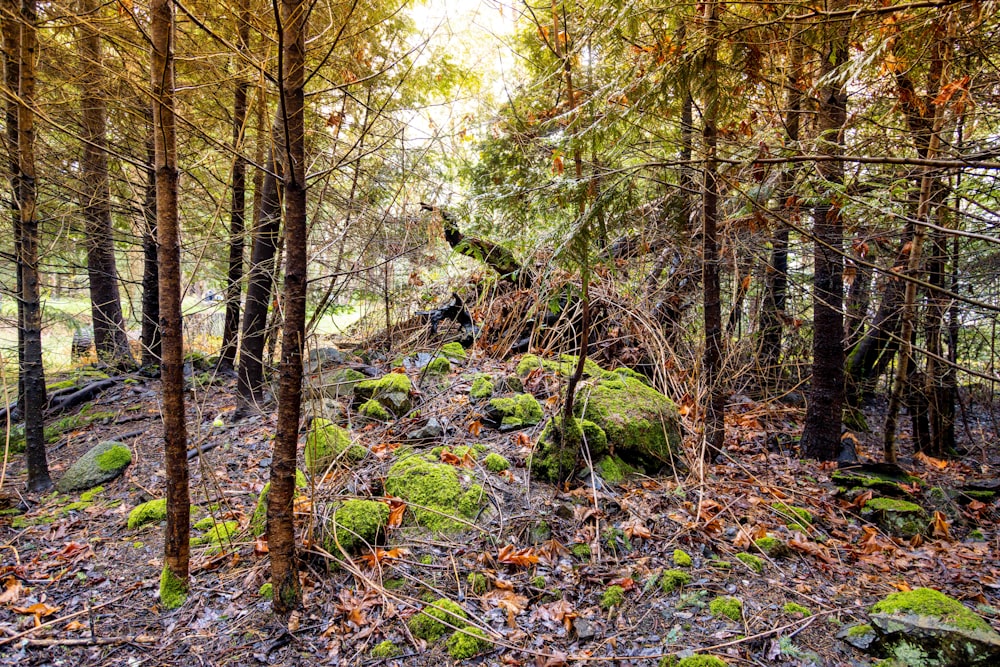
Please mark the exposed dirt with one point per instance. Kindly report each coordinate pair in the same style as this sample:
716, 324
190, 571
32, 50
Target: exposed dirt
93, 577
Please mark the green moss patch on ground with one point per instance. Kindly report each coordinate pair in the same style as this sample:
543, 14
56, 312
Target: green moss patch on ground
434, 493
437, 619
327, 442
515, 412
153, 511
357, 524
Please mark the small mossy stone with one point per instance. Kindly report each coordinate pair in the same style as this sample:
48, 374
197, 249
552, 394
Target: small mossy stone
391, 390
613, 470
454, 350
514, 412
929, 602
220, 532
438, 366
793, 514
477, 583
327, 442
672, 580
795, 609
467, 642
755, 563
437, 619
173, 590
613, 597
102, 463
897, 517
432, 490
482, 388
266, 591
726, 606
374, 410
385, 649
148, 512
496, 463
886, 482
772, 547
701, 661
681, 558
357, 524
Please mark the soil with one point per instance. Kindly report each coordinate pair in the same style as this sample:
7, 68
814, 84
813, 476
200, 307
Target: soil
79, 573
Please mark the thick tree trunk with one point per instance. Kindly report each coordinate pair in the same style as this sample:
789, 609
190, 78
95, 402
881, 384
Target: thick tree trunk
237, 216
150, 336
821, 435
176, 542
32, 369
110, 338
12, 67
280, 516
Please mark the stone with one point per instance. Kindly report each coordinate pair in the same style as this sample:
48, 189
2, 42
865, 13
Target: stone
896, 517
324, 356
327, 442
432, 430
336, 383
102, 463
391, 390
515, 412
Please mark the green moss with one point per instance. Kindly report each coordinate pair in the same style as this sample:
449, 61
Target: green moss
892, 505
385, 649
860, 630
681, 558
729, 607
427, 559
671, 580
471, 501
977, 535
454, 350
173, 590
613, 470
219, 533
496, 463
326, 442
528, 363
755, 563
719, 563
929, 602
613, 597
899, 517
795, 608
114, 458
429, 624
467, 642
538, 581
204, 524
357, 524
389, 382
438, 366
772, 547
613, 537
701, 661
667, 661
374, 410
394, 584
883, 483
433, 492
482, 387
521, 410
266, 591
149, 512
795, 514
581, 550
477, 583
552, 458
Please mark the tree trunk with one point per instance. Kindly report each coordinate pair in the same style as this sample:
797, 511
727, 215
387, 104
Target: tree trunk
280, 516
237, 216
110, 338
150, 336
12, 77
821, 435
176, 549
32, 369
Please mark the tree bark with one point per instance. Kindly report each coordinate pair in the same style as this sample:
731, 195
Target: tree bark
280, 515
176, 543
824, 416
110, 338
150, 336
32, 369
12, 78
237, 216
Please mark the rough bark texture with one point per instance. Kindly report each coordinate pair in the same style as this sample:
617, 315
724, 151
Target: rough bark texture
150, 336
176, 542
12, 76
280, 517
237, 215
31, 369
821, 435
110, 338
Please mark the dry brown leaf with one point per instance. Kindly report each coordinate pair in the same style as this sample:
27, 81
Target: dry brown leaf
75, 626
294, 621
475, 427
508, 555
636, 529
373, 559
39, 610
260, 545
448, 457
552, 550
931, 461
811, 548
397, 508
11, 590
941, 527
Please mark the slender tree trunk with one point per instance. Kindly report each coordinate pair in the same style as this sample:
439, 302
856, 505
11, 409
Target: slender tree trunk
32, 369
821, 435
150, 336
12, 77
174, 582
712, 365
237, 227
280, 516
110, 338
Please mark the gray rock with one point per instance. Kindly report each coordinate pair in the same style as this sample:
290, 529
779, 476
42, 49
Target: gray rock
324, 356
432, 430
102, 463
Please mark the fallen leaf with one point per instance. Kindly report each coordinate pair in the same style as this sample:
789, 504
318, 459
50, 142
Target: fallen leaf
508, 555
931, 461
75, 626
397, 508
941, 527
636, 529
39, 610
475, 427
11, 590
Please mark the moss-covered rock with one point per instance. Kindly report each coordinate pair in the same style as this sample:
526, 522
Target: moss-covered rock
727, 606
495, 463
328, 442
581, 550
258, 520
385, 649
153, 511
681, 558
792, 514
613, 470
885, 480
514, 412
701, 661
218, 533
102, 463
613, 597
795, 609
551, 459
772, 547
391, 390
336, 383
671, 580
454, 350
438, 366
755, 563
467, 642
356, 524
897, 517
482, 388
374, 410
437, 619
434, 493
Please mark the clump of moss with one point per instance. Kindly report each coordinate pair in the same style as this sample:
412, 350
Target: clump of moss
148, 512
114, 458
553, 457
219, 533
438, 366
538, 581
357, 524
727, 606
204, 524
755, 563
454, 350
520, 410
477, 582
392, 390
385, 649
581, 550
860, 630
795, 608
471, 501
426, 559
258, 520
429, 624
266, 591
434, 493
173, 590
976, 535
612, 597
374, 410
899, 517
720, 564
929, 602
797, 515
482, 388
681, 558
613, 470
496, 463
327, 441
702, 661
467, 642
772, 547
671, 580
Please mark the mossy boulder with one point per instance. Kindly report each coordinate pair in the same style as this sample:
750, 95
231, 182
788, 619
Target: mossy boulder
437, 619
514, 412
482, 388
434, 492
153, 511
327, 442
925, 628
885, 479
391, 390
438, 366
372, 409
495, 463
102, 463
772, 547
897, 517
613, 470
336, 383
356, 525
553, 459
454, 350
728, 607
258, 520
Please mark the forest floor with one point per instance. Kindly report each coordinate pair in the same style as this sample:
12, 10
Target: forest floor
79, 588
